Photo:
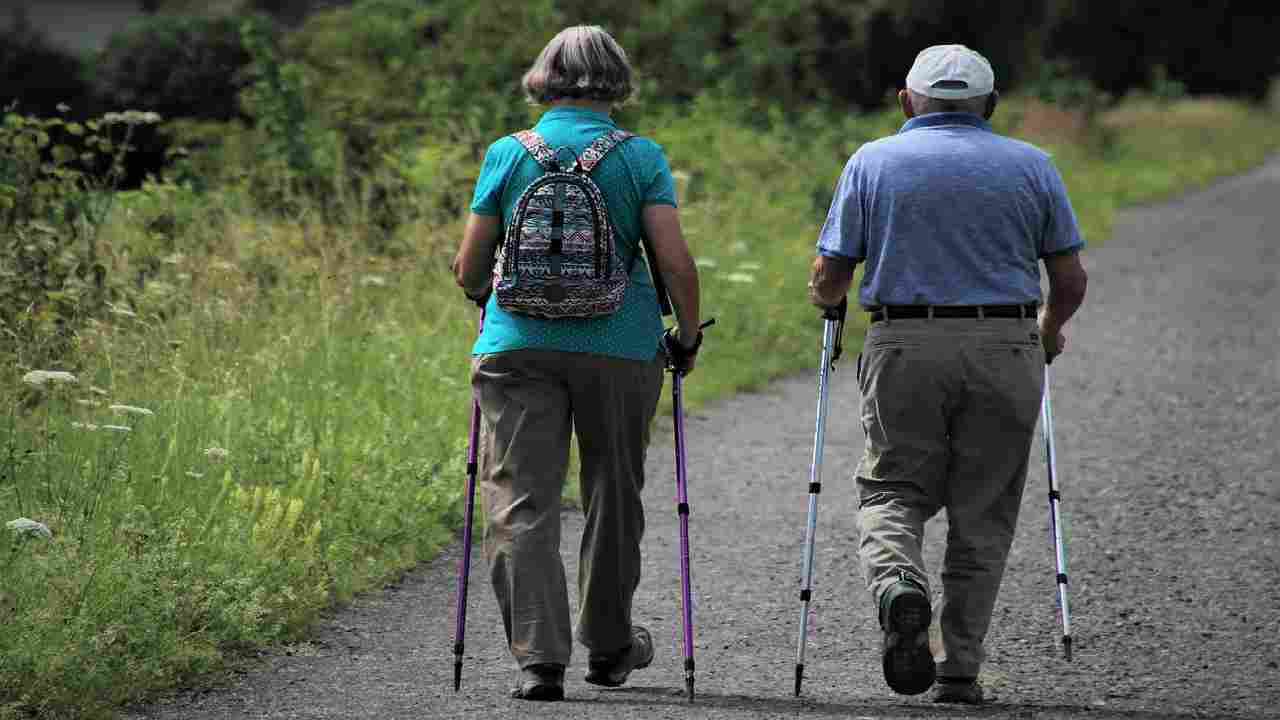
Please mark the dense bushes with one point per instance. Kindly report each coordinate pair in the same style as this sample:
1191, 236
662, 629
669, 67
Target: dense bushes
176, 65
36, 75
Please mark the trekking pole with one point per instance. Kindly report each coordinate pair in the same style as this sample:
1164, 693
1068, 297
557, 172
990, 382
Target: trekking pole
831, 349
682, 508
1055, 517
464, 565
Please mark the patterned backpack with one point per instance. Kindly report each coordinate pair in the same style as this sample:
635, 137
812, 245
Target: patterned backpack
558, 259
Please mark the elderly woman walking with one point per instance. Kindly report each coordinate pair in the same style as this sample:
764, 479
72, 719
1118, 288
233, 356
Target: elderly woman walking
540, 374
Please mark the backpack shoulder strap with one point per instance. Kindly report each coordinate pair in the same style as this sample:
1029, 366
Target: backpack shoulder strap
600, 147
538, 148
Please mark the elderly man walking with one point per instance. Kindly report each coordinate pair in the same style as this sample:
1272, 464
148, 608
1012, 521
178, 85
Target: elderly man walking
951, 221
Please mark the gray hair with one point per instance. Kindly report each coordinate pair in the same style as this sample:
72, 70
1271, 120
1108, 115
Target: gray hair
923, 104
581, 63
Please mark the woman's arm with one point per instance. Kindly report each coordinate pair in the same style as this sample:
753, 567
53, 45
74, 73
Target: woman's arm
662, 227
473, 266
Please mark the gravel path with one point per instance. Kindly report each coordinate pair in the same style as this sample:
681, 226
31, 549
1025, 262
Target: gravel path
1168, 413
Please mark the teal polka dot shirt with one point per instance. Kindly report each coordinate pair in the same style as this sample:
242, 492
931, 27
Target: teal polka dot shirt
633, 175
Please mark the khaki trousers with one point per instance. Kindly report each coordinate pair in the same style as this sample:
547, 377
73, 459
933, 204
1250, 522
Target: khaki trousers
531, 402
949, 410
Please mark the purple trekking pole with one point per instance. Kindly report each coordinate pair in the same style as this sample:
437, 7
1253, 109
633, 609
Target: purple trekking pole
464, 565
675, 365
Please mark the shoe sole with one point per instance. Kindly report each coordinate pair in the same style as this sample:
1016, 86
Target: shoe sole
602, 679
543, 693
964, 697
907, 662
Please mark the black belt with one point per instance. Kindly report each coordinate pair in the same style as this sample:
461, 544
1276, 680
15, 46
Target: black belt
907, 312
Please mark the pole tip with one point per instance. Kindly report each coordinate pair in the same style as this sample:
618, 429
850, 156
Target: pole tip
799, 677
457, 675
688, 687
1066, 647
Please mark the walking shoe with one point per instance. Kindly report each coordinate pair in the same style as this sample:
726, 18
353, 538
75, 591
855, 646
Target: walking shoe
540, 682
906, 658
966, 691
612, 670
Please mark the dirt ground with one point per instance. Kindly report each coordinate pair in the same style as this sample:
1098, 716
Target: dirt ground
1168, 418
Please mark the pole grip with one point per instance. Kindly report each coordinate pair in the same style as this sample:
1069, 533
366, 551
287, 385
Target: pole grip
838, 312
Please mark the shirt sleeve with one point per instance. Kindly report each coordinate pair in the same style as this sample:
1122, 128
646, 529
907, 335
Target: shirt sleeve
1061, 231
842, 234
661, 187
498, 161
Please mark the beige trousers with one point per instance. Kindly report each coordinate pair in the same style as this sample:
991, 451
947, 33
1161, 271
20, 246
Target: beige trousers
531, 402
949, 410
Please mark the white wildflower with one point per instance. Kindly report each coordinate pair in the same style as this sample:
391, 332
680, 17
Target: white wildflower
749, 266
705, 263
118, 428
131, 117
130, 410
88, 403
216, 453
740, 277
84, 426
40, 378
194, 474
373, 281
27, 527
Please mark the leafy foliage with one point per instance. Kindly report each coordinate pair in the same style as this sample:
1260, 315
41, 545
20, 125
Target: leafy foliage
51, 208
176, 65
36, 75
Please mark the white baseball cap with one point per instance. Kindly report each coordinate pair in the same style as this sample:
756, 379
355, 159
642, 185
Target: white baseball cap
950, 72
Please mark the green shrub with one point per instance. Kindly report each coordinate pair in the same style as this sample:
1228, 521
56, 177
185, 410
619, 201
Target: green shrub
37, 76
58, 182
176, 65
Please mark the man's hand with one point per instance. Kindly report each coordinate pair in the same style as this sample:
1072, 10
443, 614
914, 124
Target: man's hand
830, 279
1053, 342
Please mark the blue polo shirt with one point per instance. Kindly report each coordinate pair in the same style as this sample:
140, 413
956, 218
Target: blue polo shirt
947, 212
633, 175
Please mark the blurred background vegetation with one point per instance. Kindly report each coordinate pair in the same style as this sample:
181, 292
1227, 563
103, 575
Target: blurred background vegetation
230, 224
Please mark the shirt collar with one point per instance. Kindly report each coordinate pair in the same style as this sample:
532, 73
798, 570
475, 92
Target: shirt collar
945, 118
572, 112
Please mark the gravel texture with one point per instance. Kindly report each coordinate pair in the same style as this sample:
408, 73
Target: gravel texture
1167, 406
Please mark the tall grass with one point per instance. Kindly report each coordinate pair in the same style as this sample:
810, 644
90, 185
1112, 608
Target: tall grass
296, 404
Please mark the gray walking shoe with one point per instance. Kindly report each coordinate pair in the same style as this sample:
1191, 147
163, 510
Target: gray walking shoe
965, 691
612, 670
540, 682
906, 659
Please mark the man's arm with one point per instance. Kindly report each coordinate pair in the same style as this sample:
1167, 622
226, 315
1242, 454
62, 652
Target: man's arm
830, 280
1067, 283
473, 266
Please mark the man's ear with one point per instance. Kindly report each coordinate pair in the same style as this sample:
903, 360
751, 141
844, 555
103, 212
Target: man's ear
904, 102
992, 100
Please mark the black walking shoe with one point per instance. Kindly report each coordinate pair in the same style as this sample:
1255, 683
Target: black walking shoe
904, 617
540, 682
612, 670
965, 691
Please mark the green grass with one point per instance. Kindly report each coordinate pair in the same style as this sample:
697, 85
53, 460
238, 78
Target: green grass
335, 380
